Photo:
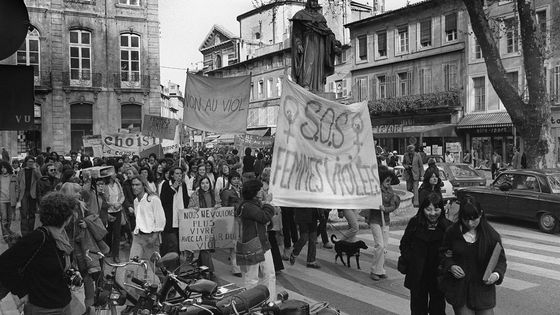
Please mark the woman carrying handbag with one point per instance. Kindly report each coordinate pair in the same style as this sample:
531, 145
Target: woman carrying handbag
253, 248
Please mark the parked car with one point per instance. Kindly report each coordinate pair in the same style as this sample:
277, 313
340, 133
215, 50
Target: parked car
532, 195
462, 175
447, 189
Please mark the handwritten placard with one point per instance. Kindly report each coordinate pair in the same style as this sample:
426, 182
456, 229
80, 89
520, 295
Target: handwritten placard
207, 228
324, 155
159, 127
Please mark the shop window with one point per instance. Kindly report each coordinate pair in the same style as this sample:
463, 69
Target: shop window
479, 85
81, 124
131, 115
29, 54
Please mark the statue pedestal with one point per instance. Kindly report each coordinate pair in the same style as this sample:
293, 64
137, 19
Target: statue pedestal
328, 95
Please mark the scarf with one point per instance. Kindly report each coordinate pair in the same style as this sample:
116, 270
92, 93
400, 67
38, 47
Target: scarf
61, 238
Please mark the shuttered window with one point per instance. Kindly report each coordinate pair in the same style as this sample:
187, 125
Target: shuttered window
451, 26
362, 47
426, 33
382, 44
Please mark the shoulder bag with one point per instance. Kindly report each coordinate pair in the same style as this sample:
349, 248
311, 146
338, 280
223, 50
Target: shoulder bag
251, 252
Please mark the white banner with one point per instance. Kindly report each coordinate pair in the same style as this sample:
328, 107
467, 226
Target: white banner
206, 228
126, 143
324, 155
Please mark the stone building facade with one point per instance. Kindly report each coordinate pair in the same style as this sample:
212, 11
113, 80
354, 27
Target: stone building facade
97, 70
264, 51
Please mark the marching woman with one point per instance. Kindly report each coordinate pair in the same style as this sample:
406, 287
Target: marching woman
204, 197
432, 184
466, 251
420, 256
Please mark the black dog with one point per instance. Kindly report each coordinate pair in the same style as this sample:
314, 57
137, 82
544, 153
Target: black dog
351, 249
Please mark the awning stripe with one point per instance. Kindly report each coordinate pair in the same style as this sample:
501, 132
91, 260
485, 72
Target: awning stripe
500, 119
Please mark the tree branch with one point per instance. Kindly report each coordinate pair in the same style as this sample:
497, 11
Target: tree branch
495, 68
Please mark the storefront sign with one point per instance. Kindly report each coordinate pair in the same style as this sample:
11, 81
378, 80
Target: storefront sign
206, 228
492, 130
388, 128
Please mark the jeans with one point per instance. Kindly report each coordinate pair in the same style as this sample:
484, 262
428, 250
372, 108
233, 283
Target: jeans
143, 246
28, 209
30, 309
7, 213
266, 269
276, 255
289, 228
308, 234
170, 244
113, 237
380, 241
351, 216
464, 310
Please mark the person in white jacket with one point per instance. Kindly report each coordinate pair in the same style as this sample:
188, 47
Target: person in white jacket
150, 219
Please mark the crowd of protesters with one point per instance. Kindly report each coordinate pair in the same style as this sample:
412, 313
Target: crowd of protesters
138, 206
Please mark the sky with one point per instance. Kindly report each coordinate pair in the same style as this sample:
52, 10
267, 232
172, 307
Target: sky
185, 23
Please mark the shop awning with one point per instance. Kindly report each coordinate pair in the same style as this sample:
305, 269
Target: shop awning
258, 132
439, 130
500, 119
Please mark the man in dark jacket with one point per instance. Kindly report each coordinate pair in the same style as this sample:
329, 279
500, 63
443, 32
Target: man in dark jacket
174, 196
47, 182
27, 194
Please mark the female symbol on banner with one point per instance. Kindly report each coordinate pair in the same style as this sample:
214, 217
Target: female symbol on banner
290, 111
358, 127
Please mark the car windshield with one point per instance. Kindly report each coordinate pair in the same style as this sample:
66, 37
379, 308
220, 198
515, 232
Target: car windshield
554, 182
462, 171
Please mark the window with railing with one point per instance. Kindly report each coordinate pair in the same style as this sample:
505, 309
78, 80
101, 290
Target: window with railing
130, 61
29, 54
479, 85
80, 58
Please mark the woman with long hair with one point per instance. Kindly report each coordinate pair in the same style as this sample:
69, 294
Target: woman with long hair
432, 184
210, 172
222, 182
420, 254
195, 180
204, 197
466, 250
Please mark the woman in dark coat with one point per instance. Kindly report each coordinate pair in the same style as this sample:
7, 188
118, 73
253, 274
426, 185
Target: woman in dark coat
420, 251
466, 250
432, 184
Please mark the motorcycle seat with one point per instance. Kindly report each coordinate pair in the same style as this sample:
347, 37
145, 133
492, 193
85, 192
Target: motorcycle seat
204, 287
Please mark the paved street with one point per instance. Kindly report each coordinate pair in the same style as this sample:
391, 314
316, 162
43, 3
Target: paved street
530, 286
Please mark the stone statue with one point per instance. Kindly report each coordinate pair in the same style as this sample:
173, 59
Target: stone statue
313, 48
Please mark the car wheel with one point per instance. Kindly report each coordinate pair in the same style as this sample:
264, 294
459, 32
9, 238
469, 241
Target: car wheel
547, 223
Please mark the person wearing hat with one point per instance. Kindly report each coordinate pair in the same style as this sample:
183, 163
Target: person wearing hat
413, 171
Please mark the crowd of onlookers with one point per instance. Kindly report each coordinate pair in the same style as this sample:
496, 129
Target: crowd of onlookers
139, 204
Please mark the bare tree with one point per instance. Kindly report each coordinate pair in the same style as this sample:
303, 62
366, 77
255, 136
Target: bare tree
530, 113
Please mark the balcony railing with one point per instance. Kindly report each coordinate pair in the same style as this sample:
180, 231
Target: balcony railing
82, 78
411, 103
128, 80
